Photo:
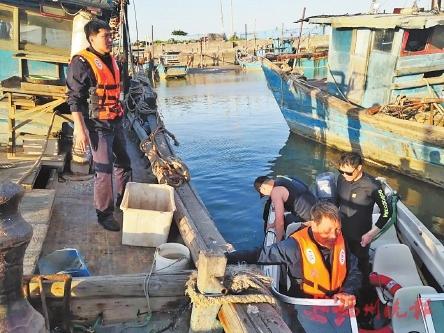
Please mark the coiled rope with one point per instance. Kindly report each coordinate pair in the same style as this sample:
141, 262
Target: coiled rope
167, 169
255, 289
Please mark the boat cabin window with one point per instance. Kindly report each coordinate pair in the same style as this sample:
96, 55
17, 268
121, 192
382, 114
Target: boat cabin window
341, 39
383, 40
437, 37
432, 312
417, 40
6, 25
423, 41
41, 32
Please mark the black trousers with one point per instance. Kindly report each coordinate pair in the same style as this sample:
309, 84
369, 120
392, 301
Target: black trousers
109, 156
362, 253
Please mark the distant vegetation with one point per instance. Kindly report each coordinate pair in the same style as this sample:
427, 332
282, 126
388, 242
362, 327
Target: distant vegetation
179, 33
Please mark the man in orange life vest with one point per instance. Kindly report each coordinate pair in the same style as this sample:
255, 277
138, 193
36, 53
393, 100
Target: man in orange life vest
318, 263
93, 82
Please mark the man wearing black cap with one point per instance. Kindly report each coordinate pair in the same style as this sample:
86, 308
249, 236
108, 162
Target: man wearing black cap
286, 194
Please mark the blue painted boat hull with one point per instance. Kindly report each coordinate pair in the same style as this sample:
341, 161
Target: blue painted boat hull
408, 147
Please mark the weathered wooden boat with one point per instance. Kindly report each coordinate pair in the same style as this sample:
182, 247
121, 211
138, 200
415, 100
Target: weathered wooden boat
408, 260
382, 95
247, 61
124, 293
171, 67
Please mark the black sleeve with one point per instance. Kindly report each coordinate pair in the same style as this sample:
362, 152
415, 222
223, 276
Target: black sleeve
384, 207
353, 280
338, 186
286, 252
78, 81
243, 256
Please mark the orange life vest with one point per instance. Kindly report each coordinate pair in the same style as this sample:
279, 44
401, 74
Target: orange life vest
108, 87
317, 280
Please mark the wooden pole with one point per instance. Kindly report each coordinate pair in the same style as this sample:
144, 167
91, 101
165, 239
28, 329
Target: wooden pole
300, 30
232, 19
201, 55
246, 37
152, 40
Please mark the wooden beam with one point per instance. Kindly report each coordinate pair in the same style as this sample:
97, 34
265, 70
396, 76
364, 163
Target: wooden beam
58, 59
211, 271
420, 68
418, 83
115, 310
243, 318
116, 286
26, 86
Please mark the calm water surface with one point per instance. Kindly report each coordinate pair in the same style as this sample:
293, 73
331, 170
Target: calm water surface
231, 130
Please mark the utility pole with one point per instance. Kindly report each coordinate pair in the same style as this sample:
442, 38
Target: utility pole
222, 17
255, 46
246, 37
232, 19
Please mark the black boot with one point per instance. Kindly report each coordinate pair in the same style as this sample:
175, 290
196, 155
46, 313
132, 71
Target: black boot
107, 221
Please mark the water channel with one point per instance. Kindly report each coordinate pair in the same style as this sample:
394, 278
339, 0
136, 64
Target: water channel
231, 130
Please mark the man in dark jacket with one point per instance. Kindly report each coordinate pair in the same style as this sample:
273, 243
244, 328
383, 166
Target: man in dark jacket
286, 194
357, 195
93, 82
317, 261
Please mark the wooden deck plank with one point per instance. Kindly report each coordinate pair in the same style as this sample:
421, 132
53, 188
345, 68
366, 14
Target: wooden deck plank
74, 225
14, 169
36, 209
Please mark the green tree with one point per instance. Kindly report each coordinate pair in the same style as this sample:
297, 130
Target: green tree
179, 33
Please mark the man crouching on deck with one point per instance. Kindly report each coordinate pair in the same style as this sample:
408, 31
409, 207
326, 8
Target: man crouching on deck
319, 266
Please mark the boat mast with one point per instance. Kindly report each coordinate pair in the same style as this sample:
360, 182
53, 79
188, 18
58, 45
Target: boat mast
300, 30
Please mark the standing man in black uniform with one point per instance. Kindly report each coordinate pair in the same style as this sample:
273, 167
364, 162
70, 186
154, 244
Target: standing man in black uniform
286, 194
93, 83
357, 194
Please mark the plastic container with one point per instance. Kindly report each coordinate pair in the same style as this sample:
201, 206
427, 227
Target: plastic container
65, 261
171, 257
147, 214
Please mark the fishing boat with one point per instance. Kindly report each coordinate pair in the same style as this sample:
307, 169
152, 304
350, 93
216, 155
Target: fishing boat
408, 275
171, 67
77, 276
382, 95
247, 61
278, 46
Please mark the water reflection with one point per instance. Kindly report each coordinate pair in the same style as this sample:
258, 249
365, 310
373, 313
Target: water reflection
231, 131
305, 158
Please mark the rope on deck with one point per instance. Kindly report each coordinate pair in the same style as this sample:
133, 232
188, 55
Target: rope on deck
168, 169
254, 286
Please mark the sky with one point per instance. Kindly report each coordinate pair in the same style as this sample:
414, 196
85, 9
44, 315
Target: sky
197, 17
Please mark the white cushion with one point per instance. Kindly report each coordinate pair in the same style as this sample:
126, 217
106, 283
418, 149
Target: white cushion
396, 261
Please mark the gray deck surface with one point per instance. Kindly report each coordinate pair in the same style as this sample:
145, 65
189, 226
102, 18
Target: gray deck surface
74, 225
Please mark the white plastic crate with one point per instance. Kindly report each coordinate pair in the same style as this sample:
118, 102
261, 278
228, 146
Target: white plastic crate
147, 214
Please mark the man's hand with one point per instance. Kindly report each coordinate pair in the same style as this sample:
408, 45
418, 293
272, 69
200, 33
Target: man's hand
347, 301
81, 139
368, 237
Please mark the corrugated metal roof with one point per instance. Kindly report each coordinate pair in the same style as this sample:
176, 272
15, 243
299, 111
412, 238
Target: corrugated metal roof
381, 21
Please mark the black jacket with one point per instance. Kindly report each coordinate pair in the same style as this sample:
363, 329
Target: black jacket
80, 78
